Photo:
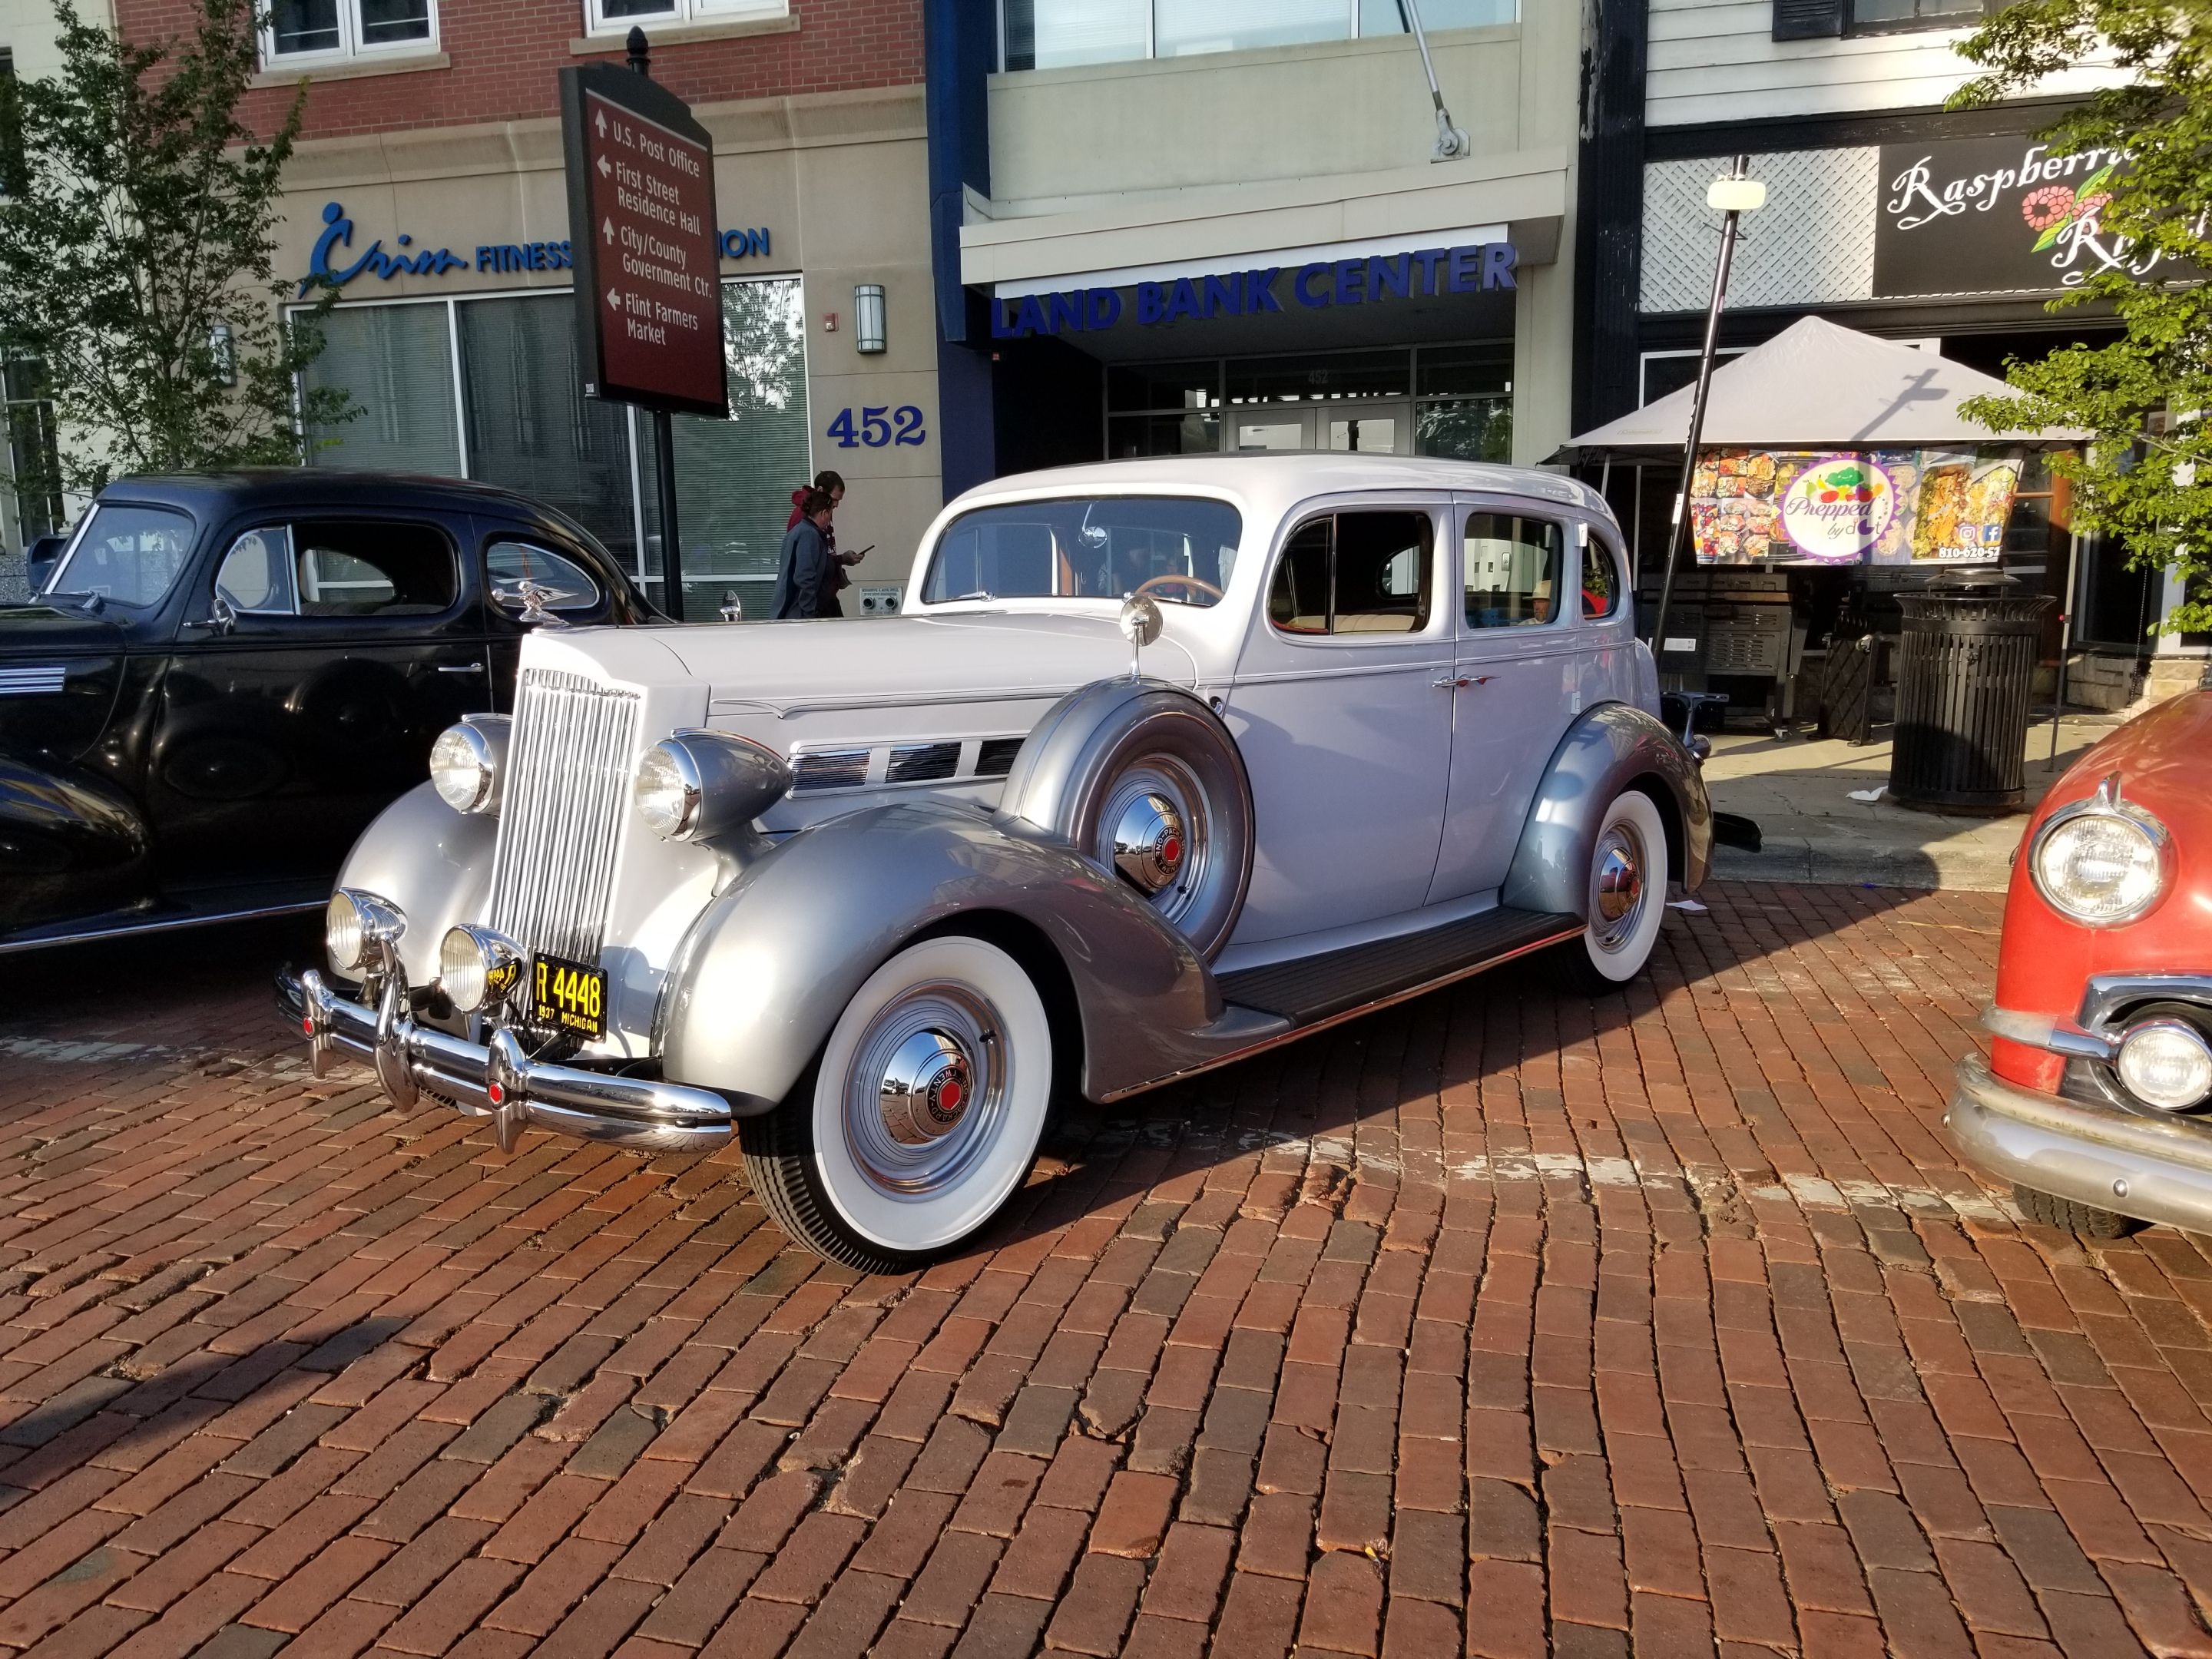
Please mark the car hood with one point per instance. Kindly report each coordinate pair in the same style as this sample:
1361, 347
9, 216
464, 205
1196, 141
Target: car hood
785, 669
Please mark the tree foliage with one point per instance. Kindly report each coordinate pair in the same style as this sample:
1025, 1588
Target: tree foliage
2146, 396
137, 252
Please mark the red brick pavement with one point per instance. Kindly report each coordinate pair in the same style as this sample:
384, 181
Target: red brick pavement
1502, 1319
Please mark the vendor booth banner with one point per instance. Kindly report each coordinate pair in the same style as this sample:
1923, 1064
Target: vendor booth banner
1872, 507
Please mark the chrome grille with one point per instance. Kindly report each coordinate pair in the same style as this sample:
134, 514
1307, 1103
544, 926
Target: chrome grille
568, 775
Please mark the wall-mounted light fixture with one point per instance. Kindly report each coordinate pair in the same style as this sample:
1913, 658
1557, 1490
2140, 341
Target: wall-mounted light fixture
868, 317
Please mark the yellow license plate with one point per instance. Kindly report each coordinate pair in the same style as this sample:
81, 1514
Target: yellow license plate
568, 996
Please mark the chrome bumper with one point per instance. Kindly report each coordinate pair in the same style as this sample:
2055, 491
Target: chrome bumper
497, 1080
2152, 1169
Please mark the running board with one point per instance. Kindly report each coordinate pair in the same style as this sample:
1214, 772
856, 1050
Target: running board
1311, 990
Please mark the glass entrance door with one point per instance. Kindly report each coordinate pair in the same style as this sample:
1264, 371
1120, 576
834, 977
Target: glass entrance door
1383, 426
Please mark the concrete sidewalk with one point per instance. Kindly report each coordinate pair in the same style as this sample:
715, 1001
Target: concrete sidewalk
1798, 790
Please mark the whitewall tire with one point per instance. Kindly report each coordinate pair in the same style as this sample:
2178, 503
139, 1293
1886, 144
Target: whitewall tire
922, 1117
1627, 897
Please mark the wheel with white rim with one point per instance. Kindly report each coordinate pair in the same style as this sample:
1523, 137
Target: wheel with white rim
923, 1116
1627, 896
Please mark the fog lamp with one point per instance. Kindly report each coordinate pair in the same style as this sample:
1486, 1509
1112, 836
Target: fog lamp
353, 921
477, 966
2166, 1063
2101, 861
467, 761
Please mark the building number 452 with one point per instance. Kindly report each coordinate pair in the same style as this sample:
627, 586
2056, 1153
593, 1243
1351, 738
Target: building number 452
903, 426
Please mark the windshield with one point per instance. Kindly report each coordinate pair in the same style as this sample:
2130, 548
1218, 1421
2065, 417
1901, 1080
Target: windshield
125, 555
1090, 547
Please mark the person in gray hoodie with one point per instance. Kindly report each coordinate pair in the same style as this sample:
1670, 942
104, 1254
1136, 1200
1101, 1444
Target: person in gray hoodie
806, 573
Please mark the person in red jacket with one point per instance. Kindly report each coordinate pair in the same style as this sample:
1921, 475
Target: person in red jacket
832, 484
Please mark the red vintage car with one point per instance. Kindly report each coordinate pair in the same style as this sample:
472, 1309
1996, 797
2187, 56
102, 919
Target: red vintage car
2096, 1100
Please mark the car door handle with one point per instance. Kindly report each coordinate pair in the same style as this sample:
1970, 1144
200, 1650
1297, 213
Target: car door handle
1457, 682
460, 668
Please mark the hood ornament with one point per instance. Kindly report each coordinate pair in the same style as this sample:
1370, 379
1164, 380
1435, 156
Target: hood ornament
534, 600
732, 607
1141, 623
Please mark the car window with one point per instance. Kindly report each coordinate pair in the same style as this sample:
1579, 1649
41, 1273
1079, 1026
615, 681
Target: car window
256, 577
1366, 572
1600, 580
1179, 550
565, 585
128, 556
1511, 570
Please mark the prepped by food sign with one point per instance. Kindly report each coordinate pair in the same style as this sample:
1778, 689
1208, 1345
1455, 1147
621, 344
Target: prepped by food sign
1837, 509
1876, 506
641, 205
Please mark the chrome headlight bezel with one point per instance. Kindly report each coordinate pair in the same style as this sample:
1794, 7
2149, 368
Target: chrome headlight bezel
2104, 809
701, 786
2171, 1030
358, 927
477, 967
477, 743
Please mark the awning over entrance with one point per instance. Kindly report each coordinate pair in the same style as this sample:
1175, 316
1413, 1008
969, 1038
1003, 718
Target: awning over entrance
1309, 264
1813, 386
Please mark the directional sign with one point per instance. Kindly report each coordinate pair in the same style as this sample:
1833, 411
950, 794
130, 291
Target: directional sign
647, 257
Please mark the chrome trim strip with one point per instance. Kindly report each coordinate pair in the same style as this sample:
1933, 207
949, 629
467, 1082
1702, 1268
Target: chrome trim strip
164, 925
32, 682
1276, 1040
2106, 992
2043, 1031
497, 1080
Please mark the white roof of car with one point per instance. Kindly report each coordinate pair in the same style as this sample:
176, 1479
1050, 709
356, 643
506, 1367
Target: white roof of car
1278, 481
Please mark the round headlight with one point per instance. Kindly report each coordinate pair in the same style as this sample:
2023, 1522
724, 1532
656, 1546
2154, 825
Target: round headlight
477, 966
667, 791
2168, 1063
2102, 863
345, 934
464, 769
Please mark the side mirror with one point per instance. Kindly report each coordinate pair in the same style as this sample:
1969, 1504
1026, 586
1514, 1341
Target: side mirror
39, 559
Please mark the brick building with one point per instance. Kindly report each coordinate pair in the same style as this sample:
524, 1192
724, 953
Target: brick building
428, 185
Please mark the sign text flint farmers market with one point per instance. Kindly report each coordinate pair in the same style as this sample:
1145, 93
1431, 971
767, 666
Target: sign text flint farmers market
375, 260
1249, 293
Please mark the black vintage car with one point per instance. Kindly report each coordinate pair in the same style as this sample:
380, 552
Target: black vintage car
226, 677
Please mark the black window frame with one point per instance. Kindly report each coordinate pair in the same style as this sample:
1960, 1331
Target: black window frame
1424, 598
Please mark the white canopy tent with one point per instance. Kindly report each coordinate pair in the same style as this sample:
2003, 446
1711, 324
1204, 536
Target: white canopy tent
1813, 386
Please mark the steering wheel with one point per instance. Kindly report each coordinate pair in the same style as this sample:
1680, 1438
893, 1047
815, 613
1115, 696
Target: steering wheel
1173, 581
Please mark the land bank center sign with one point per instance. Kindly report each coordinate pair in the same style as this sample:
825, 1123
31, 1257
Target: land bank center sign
642, 220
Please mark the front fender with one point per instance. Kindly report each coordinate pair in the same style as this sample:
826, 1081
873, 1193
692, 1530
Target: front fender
431, 861
771, 962
69, 846
1611, 748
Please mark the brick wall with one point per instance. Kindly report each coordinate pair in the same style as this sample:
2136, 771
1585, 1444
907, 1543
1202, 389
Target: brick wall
504, 54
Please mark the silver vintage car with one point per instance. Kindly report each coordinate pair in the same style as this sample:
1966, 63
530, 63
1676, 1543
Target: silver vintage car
1166, 762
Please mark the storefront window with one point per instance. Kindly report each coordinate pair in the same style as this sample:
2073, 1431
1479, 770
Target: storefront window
1063, 34
396, 363
734, 477
298, 29
1452, 401
515, 416
530, 428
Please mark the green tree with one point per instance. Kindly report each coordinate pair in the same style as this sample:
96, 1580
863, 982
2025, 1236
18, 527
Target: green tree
137, 252
2139, 224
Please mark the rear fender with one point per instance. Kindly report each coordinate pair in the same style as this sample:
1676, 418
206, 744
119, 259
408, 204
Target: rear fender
431, 861
69, 846
769, 965
1612, 748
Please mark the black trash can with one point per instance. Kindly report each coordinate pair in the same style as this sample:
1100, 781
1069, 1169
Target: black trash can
1965, 664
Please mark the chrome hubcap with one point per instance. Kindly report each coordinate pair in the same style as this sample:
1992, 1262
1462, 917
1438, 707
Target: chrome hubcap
1617, 887
925, 1090
1148, 844
1154, 832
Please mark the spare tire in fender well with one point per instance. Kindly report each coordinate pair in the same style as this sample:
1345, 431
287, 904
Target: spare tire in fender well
1064, 780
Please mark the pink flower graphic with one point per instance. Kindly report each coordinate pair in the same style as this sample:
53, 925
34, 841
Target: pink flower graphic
2090, 206
2049, 206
